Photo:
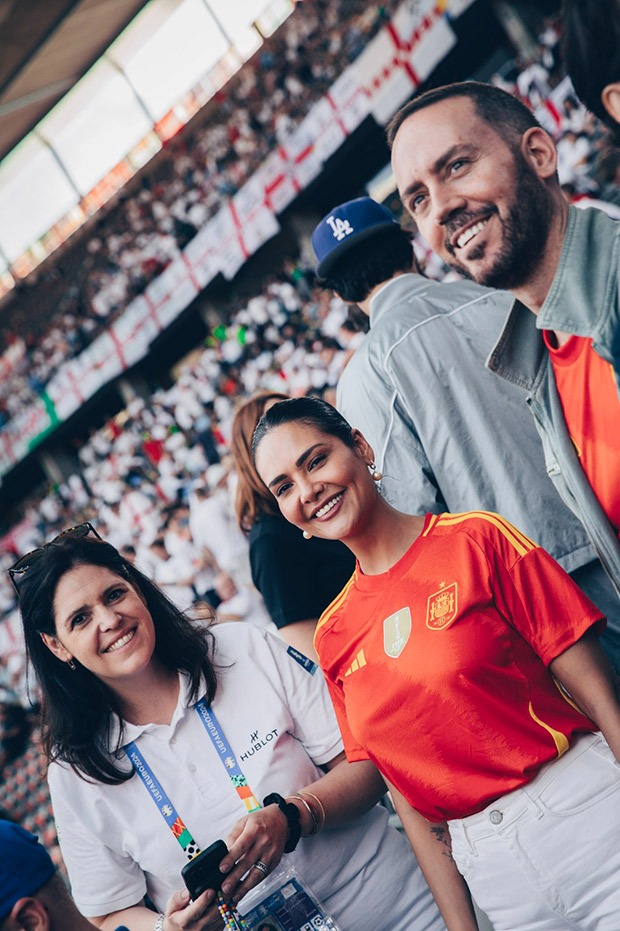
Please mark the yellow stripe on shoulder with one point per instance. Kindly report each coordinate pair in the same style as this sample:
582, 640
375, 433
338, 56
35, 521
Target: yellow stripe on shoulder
333, 607
431, 523
518, 540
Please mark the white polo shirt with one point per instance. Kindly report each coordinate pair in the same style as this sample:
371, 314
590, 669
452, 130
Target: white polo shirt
278, 720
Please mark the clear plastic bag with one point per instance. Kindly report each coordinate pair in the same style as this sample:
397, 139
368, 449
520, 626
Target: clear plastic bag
284, 902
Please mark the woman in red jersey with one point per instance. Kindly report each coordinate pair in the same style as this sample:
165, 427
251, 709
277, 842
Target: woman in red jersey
463, 661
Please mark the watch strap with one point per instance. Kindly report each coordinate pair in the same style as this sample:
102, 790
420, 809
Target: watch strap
291, 813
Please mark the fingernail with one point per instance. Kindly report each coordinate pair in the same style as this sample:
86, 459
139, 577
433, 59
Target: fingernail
226, 888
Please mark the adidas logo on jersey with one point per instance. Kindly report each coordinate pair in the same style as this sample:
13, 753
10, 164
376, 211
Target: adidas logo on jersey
358, 662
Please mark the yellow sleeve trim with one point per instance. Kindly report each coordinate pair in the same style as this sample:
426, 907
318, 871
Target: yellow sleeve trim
517, 540
559, 739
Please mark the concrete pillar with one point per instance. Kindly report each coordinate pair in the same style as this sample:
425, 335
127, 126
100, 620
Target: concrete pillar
57, 464
133, 386
210, 313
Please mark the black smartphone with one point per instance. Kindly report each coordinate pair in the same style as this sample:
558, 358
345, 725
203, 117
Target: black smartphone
203, 872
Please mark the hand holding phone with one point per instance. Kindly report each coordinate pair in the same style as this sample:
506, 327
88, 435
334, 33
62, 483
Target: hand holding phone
203, 872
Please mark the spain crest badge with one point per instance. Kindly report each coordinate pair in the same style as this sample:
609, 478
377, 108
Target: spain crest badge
396, 632
442, 607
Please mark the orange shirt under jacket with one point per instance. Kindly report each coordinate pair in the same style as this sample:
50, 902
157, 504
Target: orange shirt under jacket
438, 667
589, 398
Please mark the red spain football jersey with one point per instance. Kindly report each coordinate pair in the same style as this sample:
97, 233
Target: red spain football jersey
591, 406
438, 667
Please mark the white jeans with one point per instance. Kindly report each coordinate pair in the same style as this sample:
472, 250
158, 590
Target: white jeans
547, 857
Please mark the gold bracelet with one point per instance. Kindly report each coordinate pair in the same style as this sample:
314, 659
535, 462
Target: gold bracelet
322, 810
315, 820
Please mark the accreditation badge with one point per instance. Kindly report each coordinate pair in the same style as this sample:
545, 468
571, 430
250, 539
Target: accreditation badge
285, 902
396, 632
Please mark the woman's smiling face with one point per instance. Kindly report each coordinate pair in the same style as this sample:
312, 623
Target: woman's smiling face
102, 622
321, 485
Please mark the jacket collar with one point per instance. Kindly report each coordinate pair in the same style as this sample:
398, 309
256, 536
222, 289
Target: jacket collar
579, 293
400, 288
577, 300
520, 353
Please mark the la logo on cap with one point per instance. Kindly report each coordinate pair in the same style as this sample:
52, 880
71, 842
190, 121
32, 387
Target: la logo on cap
340, 228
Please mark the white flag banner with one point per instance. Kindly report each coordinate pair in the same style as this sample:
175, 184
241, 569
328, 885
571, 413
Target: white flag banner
279, 182
324, 126
201, 253
69, 389
143, 316
249, 199
436, 38
304, 161
134, 331
403, 55
262, 226
350, 99
108, 360
172, 291
379, 70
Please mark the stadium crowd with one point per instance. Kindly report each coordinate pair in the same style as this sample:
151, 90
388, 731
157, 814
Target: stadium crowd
55, 314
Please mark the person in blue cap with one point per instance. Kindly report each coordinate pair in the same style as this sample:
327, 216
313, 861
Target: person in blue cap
33, 896
447, 433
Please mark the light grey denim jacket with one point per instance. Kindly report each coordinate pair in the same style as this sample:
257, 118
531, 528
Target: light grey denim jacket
448, 435
584, 299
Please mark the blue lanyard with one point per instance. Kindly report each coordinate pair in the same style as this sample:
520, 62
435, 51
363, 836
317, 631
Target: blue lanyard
227, 756
161, 799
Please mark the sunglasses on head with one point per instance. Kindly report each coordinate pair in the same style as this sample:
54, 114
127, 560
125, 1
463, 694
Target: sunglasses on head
24, 563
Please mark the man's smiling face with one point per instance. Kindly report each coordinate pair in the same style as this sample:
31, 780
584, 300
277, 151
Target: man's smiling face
474, 197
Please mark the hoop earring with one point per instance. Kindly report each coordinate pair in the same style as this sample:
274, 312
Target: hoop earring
71, 664
306, 535
375, 473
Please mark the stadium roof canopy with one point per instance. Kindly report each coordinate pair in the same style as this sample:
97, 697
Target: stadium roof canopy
89, 92
45, 47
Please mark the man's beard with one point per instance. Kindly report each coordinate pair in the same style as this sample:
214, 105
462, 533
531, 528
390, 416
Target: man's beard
525, 233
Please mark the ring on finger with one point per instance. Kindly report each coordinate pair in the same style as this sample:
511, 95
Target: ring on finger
261, 867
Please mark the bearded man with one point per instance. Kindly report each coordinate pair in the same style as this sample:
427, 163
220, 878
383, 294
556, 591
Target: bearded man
477, 173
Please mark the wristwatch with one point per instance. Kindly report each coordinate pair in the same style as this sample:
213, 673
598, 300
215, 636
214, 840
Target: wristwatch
291, 813
159, 924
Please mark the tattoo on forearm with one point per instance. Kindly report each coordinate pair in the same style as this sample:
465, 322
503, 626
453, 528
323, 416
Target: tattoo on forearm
443, 836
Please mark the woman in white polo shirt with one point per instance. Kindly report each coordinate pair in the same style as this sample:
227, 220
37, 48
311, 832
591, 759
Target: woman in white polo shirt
212, 722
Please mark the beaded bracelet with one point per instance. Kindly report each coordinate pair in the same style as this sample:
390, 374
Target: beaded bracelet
311, 812
321, 809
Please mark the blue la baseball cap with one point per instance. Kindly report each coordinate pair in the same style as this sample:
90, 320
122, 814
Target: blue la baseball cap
25, 866
347, 225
